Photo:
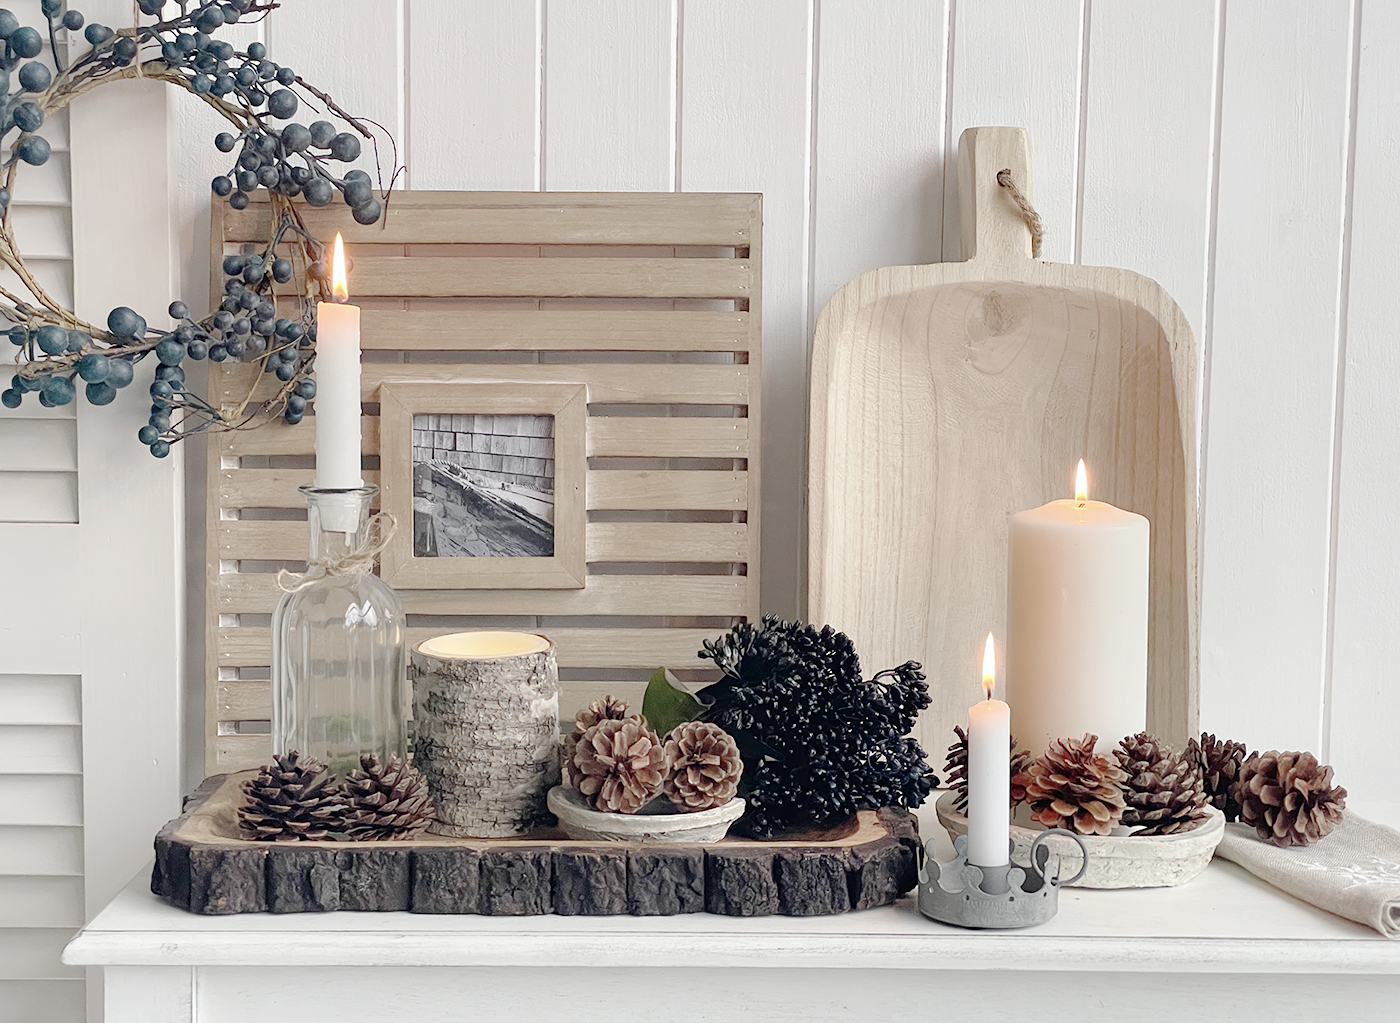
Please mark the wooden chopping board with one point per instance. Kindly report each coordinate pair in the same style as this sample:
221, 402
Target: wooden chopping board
947, 397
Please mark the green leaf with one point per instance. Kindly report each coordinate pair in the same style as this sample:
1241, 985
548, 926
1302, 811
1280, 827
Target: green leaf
667, 706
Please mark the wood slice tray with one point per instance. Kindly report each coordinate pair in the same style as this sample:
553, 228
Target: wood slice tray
202, 866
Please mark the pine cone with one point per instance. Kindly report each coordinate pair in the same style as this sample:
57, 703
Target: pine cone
292, 799
1165, 791
1220, 761
609, 708
956, 766
1071, 787
619, 766
704, 766
1288, 798
387, 801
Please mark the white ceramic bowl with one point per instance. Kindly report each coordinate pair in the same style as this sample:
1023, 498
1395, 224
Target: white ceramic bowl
1116, 861
662, 825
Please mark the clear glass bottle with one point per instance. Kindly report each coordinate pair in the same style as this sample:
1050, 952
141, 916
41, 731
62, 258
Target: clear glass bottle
339, 648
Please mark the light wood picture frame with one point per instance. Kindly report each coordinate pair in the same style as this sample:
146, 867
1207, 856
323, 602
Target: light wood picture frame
490, 445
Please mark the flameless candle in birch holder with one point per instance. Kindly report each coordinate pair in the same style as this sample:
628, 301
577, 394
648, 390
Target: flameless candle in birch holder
486, 720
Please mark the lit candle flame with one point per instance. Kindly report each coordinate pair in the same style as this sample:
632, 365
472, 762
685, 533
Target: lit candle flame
338, 285
1081, 482
989, 666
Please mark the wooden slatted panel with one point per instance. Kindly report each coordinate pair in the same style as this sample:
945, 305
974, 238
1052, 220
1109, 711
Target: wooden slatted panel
651, 301
699, 542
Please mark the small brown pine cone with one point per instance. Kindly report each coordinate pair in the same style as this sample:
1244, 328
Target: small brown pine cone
704, 766
619, 766
292, 799
387, 801
1220, 761
1288, 798
1021, 761
1071, 787
609, 708
1164, 790
956, 766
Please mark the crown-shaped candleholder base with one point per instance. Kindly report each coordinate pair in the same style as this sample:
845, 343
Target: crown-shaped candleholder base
967, 895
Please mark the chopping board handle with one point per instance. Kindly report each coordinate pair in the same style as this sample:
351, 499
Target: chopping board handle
994, 229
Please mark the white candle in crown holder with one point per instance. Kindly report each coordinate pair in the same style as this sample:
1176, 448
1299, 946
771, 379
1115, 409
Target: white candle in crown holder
988, 773
1076, 620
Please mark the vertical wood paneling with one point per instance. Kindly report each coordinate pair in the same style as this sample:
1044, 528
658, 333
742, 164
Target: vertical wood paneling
609, 70
1365, 702
478, 129
1148, 118
354, 51
1018, 62
763, 149
878, 189
846, 142
1268, 447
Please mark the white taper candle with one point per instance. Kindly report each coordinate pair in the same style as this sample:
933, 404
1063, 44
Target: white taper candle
988, 773
338, 385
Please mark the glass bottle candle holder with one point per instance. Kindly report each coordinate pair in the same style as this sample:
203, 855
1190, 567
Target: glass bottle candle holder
339, 646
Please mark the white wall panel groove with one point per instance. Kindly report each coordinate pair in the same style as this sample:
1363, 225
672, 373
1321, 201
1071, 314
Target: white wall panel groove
1266, 520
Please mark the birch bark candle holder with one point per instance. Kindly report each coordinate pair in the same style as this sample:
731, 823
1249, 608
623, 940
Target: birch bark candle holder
486, 717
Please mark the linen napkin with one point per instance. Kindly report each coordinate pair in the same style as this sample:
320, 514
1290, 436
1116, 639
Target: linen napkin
1353, 872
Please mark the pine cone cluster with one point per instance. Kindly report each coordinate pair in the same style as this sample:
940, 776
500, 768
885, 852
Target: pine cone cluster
619, 765
1288, 798
296, 798
956, 765
386, 801
703, 766
1220, 761
1070, 786
1164, 789
292, 799
609, 708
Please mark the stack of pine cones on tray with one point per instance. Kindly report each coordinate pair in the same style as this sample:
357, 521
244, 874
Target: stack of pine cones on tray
295, 798
618, 763
1288, 798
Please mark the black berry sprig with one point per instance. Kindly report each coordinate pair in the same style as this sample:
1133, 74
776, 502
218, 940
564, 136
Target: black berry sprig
819, 742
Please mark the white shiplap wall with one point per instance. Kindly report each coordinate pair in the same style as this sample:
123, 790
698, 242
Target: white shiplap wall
1218, 146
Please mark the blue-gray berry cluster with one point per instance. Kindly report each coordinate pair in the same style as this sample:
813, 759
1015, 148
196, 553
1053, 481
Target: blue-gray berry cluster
268, 147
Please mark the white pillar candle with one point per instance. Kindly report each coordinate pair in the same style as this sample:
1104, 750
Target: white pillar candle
1076, 621
338, 384
988, 773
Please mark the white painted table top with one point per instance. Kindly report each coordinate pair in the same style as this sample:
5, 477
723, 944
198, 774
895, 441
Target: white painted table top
1224, 921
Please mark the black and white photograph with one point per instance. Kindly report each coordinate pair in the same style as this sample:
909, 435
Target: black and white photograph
483, 486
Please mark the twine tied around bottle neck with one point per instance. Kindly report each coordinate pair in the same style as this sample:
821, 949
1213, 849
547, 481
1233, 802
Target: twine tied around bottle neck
1024, 207
378, 533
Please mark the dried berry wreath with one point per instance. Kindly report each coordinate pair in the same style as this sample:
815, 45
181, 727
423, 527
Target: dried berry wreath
267, 148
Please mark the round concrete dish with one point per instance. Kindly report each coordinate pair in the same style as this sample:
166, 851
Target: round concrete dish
1118, 861
664, 826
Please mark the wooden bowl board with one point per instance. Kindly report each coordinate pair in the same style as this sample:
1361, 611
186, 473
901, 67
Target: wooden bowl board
947, 397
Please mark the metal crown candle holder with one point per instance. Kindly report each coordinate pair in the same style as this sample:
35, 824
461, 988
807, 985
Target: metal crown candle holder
967, 895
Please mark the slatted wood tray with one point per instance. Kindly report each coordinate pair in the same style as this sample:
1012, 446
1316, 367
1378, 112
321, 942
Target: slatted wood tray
202, 866
652, 301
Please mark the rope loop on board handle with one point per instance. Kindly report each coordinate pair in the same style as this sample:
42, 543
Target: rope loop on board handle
1024, 207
